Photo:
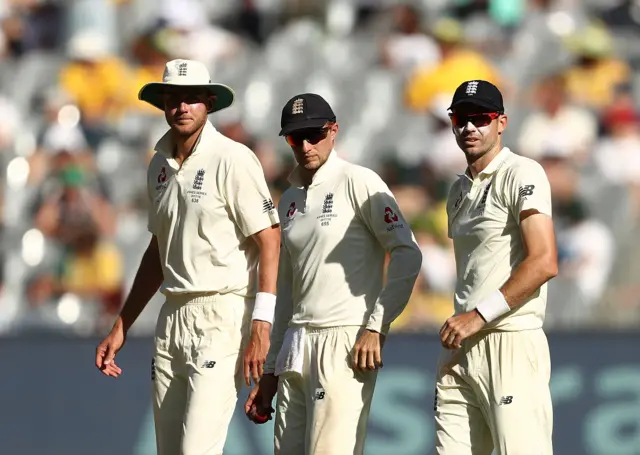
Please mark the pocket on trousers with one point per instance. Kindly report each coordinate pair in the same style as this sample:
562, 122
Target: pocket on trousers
164, 325
531, 346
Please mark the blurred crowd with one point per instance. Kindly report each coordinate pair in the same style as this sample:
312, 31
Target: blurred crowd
75, 141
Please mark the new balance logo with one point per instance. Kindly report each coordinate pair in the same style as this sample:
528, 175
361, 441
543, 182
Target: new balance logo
506, 400
268, 205
197, 181
526, 190
319, 395
208, 364
327, 207
182, 69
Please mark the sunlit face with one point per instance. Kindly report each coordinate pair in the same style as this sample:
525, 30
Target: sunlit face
312, 146
476, 130
186, 110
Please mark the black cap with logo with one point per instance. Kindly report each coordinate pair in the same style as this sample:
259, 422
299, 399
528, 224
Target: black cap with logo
478, 93
307, 110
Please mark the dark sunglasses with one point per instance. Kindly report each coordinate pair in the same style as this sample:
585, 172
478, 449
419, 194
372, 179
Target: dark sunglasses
311, 135
478, 120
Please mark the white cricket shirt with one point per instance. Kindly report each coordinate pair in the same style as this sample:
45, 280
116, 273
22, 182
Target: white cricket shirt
484, 223
335, 236
204, 212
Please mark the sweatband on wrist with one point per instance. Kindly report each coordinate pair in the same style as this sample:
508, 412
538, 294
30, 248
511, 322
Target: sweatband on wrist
264, 308
493, 306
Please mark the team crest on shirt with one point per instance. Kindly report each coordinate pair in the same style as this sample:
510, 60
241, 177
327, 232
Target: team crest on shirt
327, 211
479, 210
198, 180
196, 192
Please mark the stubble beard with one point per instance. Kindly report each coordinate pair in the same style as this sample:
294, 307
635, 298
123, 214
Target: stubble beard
185, 131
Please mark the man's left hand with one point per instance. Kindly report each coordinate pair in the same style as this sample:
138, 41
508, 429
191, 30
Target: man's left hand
367, 352
460, 327
255, 355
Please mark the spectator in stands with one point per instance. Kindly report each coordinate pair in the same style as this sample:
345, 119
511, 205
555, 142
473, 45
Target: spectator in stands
597, 74
439, 270
586, 250
189, 34
537, 45
430, 302
31, 25
459, 63
11, 120
443, 160
94, 78
60, 140
90, 267
617, 155
150, 57
407, 46
70, 206
562, 174
570, 129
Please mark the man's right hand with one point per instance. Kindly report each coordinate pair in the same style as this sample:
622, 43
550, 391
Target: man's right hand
108, 348
261, 397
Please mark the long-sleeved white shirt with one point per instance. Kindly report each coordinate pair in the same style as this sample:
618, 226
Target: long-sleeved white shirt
335, 236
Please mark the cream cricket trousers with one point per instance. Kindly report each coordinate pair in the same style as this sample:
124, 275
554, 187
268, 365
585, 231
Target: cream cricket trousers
325, 410
493, 393
196, 371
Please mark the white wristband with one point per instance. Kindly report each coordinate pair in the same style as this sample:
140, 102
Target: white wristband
493, 306
264, 308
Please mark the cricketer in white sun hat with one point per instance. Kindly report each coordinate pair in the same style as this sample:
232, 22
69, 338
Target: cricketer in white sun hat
181, 73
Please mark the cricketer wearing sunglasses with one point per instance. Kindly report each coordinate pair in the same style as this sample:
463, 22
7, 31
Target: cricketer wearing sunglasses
492, 385
332, 314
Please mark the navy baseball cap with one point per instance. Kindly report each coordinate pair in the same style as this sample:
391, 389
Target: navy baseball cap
478, 93
307, 110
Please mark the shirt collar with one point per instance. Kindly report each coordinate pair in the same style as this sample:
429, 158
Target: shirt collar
325, 171
492, 167
166, 145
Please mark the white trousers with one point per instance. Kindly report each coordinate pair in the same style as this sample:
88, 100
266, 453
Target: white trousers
493, 393
325, 410
196, 371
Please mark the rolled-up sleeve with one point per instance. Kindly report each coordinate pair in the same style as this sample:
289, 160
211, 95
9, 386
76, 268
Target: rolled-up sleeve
529, 189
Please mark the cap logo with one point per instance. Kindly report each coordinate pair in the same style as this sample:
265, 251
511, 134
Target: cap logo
182, 68
298, 106
472, 88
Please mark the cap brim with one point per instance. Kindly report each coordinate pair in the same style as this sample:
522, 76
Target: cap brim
309, 123
153, 91
477, 102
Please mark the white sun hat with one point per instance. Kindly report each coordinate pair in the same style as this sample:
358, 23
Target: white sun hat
181, 73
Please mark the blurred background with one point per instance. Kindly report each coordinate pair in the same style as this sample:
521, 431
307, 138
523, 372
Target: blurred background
75, 143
